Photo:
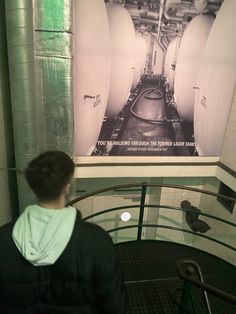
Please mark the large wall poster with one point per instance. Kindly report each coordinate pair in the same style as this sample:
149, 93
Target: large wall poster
149, 77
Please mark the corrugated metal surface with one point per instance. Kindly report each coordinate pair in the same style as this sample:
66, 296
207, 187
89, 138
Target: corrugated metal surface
39, 49
53, 57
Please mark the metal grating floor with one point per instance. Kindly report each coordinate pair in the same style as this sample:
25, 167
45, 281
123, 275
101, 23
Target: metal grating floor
152, 283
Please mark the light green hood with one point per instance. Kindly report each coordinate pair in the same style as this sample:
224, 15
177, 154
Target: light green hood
42, 234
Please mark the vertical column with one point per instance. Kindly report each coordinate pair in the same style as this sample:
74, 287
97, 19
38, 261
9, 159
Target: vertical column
20, 40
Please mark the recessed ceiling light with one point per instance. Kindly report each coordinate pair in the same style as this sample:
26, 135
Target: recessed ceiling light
125, 216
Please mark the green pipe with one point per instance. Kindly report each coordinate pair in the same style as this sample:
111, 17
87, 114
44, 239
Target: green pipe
20, 39
7, 143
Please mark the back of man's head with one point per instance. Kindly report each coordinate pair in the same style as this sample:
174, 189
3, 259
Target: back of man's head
49, 173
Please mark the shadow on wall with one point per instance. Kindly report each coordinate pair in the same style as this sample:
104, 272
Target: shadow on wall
195, 224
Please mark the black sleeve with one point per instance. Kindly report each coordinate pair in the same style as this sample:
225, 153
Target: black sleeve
109, 290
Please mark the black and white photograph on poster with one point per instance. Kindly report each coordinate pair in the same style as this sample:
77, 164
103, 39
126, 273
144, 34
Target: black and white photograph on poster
153, 78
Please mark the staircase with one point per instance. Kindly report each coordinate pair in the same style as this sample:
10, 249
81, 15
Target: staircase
154, 286
168, 277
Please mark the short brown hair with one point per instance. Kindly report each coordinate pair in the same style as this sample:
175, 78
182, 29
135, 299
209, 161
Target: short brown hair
49, 173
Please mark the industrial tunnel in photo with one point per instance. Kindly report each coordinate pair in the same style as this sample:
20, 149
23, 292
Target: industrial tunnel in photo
150, 77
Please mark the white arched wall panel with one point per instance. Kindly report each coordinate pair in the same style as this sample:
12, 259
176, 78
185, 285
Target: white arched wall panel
216, 83
228, 152
122, 35
91, 72
188, 64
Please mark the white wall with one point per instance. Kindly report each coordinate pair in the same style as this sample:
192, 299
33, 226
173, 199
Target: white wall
5, 212
149, 167
173, 197
219, 231
112, 199
164, 196
229, 147
155, 196
112, 220
152, 213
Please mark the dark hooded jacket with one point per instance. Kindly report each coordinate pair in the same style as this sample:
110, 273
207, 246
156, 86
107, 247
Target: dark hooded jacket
85, 279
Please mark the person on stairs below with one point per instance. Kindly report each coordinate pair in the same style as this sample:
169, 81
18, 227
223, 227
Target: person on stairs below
191, 216
51, 260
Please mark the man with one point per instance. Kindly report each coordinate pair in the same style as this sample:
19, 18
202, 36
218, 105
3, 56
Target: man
194, 223
51, 261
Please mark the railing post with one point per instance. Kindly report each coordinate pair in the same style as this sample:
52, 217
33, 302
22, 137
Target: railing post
141, 210
192, 271
186, 299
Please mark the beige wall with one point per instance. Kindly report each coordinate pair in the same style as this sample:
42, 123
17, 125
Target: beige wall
5, 213
155, 196
228, 155
112, 220
112, 199
165, 196
219, 230
173, 197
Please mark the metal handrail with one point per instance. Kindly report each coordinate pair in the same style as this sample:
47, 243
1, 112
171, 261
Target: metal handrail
199, 273
172, 186
108, 210
142, 205
141, 212
203, 286
173, 228
204, 291
140, 225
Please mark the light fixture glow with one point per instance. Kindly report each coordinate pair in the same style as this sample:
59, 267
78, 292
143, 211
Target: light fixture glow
125, 216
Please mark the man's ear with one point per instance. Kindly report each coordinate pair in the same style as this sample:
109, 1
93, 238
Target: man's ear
66, 189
